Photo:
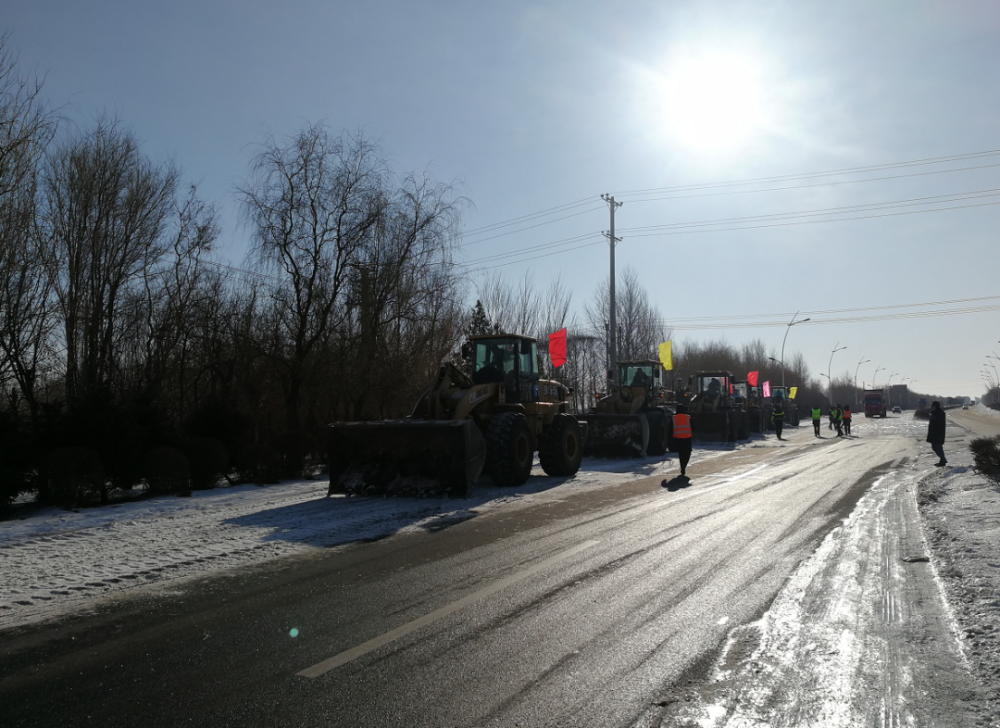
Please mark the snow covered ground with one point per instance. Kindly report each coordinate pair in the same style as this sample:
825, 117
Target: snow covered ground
961, 516
54, 561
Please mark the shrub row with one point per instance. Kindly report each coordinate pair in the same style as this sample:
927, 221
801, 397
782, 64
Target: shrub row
73, 475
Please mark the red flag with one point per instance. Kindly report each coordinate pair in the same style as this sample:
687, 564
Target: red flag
557, 348
752, 379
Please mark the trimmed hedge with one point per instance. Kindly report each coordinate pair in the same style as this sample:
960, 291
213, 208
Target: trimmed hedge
167, 471
986, 456
209, 461
71, 475
258, 464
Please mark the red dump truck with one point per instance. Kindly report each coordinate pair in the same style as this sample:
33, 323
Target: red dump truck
874, 403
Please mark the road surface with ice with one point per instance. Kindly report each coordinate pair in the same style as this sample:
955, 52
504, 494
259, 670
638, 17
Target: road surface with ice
787, 584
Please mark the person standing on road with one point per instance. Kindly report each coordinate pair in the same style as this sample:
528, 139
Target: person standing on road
847, 419
837, 415
682, 436
935, 433
778, 417
817, 413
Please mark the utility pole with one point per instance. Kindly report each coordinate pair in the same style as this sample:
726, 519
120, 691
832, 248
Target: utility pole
613, 333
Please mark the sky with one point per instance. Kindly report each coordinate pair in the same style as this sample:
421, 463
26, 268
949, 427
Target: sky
533, 110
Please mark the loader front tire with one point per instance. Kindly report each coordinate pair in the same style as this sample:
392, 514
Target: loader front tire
561, 448
509, 453
658, 434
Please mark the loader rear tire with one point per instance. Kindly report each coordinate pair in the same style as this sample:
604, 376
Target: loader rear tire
657, 433
561, 448
509, 453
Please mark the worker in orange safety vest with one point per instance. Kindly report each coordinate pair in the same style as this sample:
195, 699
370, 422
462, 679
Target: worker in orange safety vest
682, 436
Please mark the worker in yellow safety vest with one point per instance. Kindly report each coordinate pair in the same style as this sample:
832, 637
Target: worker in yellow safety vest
778, 417
682, 436
837, 415
817, 414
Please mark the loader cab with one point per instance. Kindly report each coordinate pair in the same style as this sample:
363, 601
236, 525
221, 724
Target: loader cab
644, 374
511, 360
712, 387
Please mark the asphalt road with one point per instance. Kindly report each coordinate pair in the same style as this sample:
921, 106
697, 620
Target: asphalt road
579, 609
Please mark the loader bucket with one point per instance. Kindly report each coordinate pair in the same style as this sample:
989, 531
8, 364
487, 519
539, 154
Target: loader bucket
406, 457
714, 426
616, 436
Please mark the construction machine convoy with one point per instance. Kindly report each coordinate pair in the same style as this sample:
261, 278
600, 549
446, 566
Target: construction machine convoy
492, 422
633, 420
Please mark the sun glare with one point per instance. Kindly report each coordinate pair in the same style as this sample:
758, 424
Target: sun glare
712, 101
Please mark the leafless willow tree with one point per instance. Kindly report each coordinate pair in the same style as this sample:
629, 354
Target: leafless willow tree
513, 308
26, 128
641, 328
311, 202
162, 310
405, 314
362, 286
105, 204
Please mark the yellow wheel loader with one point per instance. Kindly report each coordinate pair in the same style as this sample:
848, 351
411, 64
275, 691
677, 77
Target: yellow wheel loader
634, 419
492, 422
717, 413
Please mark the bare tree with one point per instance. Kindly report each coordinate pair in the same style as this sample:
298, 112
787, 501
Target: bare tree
159, 325
404, 307
105, 204
25, 315
640, 325
512, 309
312, 204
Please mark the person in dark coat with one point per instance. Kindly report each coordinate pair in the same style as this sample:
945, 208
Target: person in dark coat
935, 432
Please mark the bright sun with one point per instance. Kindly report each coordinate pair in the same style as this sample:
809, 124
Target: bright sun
713, 101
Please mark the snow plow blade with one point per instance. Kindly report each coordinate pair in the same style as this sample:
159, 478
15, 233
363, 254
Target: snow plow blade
616, 436
402, 457
714, 426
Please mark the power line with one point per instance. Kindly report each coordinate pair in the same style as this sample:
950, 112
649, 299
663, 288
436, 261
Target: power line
783, 317
725, 185
888, 313
816, 184
812, 175
781, 219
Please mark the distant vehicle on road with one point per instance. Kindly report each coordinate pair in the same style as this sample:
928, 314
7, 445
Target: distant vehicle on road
896, 409
874, 404
965, 406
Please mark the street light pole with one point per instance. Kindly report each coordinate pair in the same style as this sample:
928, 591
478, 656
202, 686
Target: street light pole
830, 367
789, 328
874, 377
863, 361
889, 387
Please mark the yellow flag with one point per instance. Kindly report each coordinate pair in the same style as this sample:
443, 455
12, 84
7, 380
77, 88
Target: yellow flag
667, 355
792, 391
